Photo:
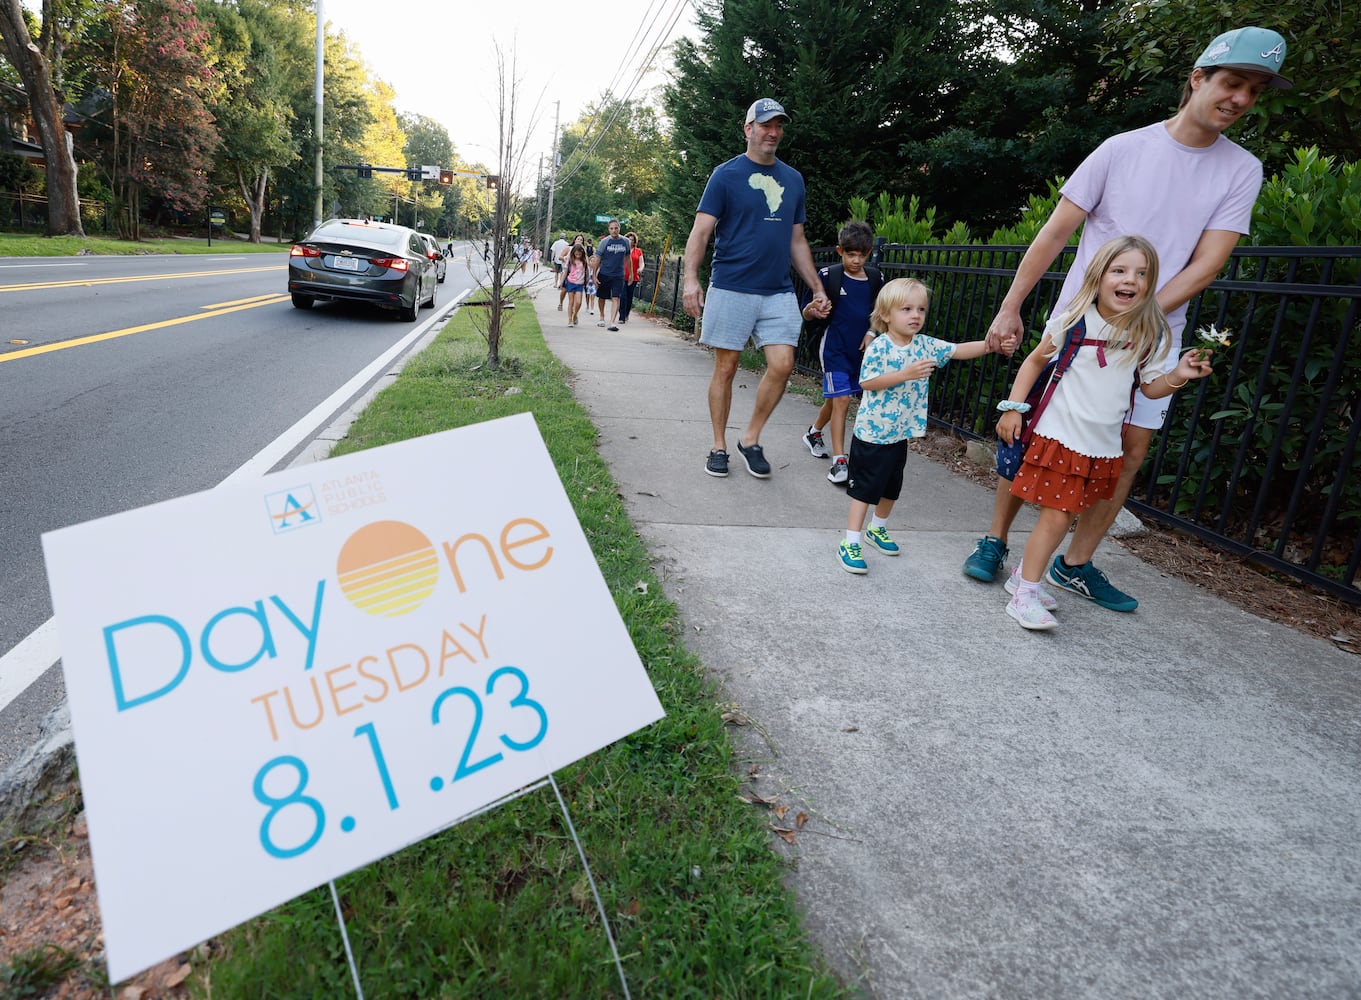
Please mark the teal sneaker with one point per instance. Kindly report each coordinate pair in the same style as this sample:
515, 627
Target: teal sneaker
852, 561
986, 561
878, 537
1089, 582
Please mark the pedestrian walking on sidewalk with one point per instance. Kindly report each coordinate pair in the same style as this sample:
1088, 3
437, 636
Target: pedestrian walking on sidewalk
574, 281
608, 268
894, 376
753, 208
633, 273
1109, 341
842, 336
1190, 191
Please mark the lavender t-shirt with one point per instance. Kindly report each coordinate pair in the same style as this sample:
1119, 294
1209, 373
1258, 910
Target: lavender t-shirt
1146, 183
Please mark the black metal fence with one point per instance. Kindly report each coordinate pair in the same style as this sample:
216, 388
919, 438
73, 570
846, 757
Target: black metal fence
1260, 459
660, 288
29, 211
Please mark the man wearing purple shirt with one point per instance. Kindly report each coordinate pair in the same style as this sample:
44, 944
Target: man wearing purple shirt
1190, 192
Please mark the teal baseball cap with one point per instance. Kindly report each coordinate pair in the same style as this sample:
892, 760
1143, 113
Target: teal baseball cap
1255, 50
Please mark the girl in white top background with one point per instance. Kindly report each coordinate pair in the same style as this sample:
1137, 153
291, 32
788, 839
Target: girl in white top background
1074, 455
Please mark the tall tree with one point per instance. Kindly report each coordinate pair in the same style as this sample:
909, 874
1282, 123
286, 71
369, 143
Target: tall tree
48, 109
1028, 98
1160, 40
855, 76
151, 57
428, 143
252, 109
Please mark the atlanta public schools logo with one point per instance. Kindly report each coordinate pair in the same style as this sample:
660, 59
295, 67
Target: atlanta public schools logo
292, 508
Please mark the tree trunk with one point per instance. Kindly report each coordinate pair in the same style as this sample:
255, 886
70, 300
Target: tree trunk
254, 194
63, 201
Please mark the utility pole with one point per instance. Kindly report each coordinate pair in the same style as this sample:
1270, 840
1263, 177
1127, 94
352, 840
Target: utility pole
320, 87
552, 176
538, 203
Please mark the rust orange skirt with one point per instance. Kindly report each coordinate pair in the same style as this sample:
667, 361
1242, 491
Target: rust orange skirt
1052, 475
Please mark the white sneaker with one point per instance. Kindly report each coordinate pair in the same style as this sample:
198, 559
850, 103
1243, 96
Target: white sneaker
1047, 599
840, 472
813, 439
1030, 614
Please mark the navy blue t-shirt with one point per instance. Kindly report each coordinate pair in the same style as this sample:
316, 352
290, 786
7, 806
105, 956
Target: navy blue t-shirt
850, 321
757, 208
613, 251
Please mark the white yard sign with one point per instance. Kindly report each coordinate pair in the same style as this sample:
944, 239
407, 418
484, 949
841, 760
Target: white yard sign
278, 682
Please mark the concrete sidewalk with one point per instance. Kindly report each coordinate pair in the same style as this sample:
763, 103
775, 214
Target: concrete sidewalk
1158, 804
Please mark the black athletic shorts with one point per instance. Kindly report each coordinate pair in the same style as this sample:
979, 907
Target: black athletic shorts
876, 471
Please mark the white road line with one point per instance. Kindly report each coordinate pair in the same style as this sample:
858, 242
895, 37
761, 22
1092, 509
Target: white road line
27, 661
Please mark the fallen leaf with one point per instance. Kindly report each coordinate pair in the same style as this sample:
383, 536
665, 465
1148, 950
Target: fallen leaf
800, 819
851, 729
755, 798
779, 812
788, 836
736, 718
1341, 637
178, 976
753, 770
634, 908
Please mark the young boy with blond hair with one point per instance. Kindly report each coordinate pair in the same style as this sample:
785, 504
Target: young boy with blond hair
895, 379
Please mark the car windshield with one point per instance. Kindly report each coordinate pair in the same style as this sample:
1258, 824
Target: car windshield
342, 231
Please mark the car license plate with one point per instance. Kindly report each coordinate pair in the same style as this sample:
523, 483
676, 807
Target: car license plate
346, 263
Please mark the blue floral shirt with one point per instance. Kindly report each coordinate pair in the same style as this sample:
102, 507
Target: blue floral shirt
887, 416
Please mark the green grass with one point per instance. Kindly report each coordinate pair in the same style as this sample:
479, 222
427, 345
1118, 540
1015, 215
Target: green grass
32, 245
499, 906
35, 972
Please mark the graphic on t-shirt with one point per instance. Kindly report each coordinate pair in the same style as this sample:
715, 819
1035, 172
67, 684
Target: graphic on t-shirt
768, 186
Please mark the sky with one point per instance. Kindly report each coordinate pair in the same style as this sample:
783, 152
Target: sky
440, 57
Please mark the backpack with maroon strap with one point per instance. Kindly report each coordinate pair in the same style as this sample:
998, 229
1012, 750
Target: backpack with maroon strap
1009, 455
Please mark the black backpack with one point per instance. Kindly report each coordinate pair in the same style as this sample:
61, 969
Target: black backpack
831, 284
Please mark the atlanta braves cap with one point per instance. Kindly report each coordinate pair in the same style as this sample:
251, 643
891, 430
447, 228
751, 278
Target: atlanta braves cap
765, 109
1257, 50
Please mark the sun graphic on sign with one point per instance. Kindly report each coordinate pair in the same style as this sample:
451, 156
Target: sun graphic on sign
387, 569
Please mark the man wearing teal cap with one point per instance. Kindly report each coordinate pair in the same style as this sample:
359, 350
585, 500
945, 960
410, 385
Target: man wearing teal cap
1188, 190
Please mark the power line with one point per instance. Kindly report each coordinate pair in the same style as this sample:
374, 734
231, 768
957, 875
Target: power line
582, 153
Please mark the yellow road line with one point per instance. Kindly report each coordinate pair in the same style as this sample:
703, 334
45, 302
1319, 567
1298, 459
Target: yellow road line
79, 283
97, 337
238, 302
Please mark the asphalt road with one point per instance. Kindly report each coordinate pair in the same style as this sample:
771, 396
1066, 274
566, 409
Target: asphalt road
129, 380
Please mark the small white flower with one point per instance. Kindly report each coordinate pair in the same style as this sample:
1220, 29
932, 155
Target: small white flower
1213, 337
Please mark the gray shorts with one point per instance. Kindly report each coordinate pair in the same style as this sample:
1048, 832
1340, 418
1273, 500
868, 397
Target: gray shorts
732, 318
1152, 413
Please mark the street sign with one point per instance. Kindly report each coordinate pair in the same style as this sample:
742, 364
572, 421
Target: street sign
603, 218
429, 173
217, 216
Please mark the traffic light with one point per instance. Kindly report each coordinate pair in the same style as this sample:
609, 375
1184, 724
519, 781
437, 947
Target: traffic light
364, 170
413, 173
446, 177
492, 181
